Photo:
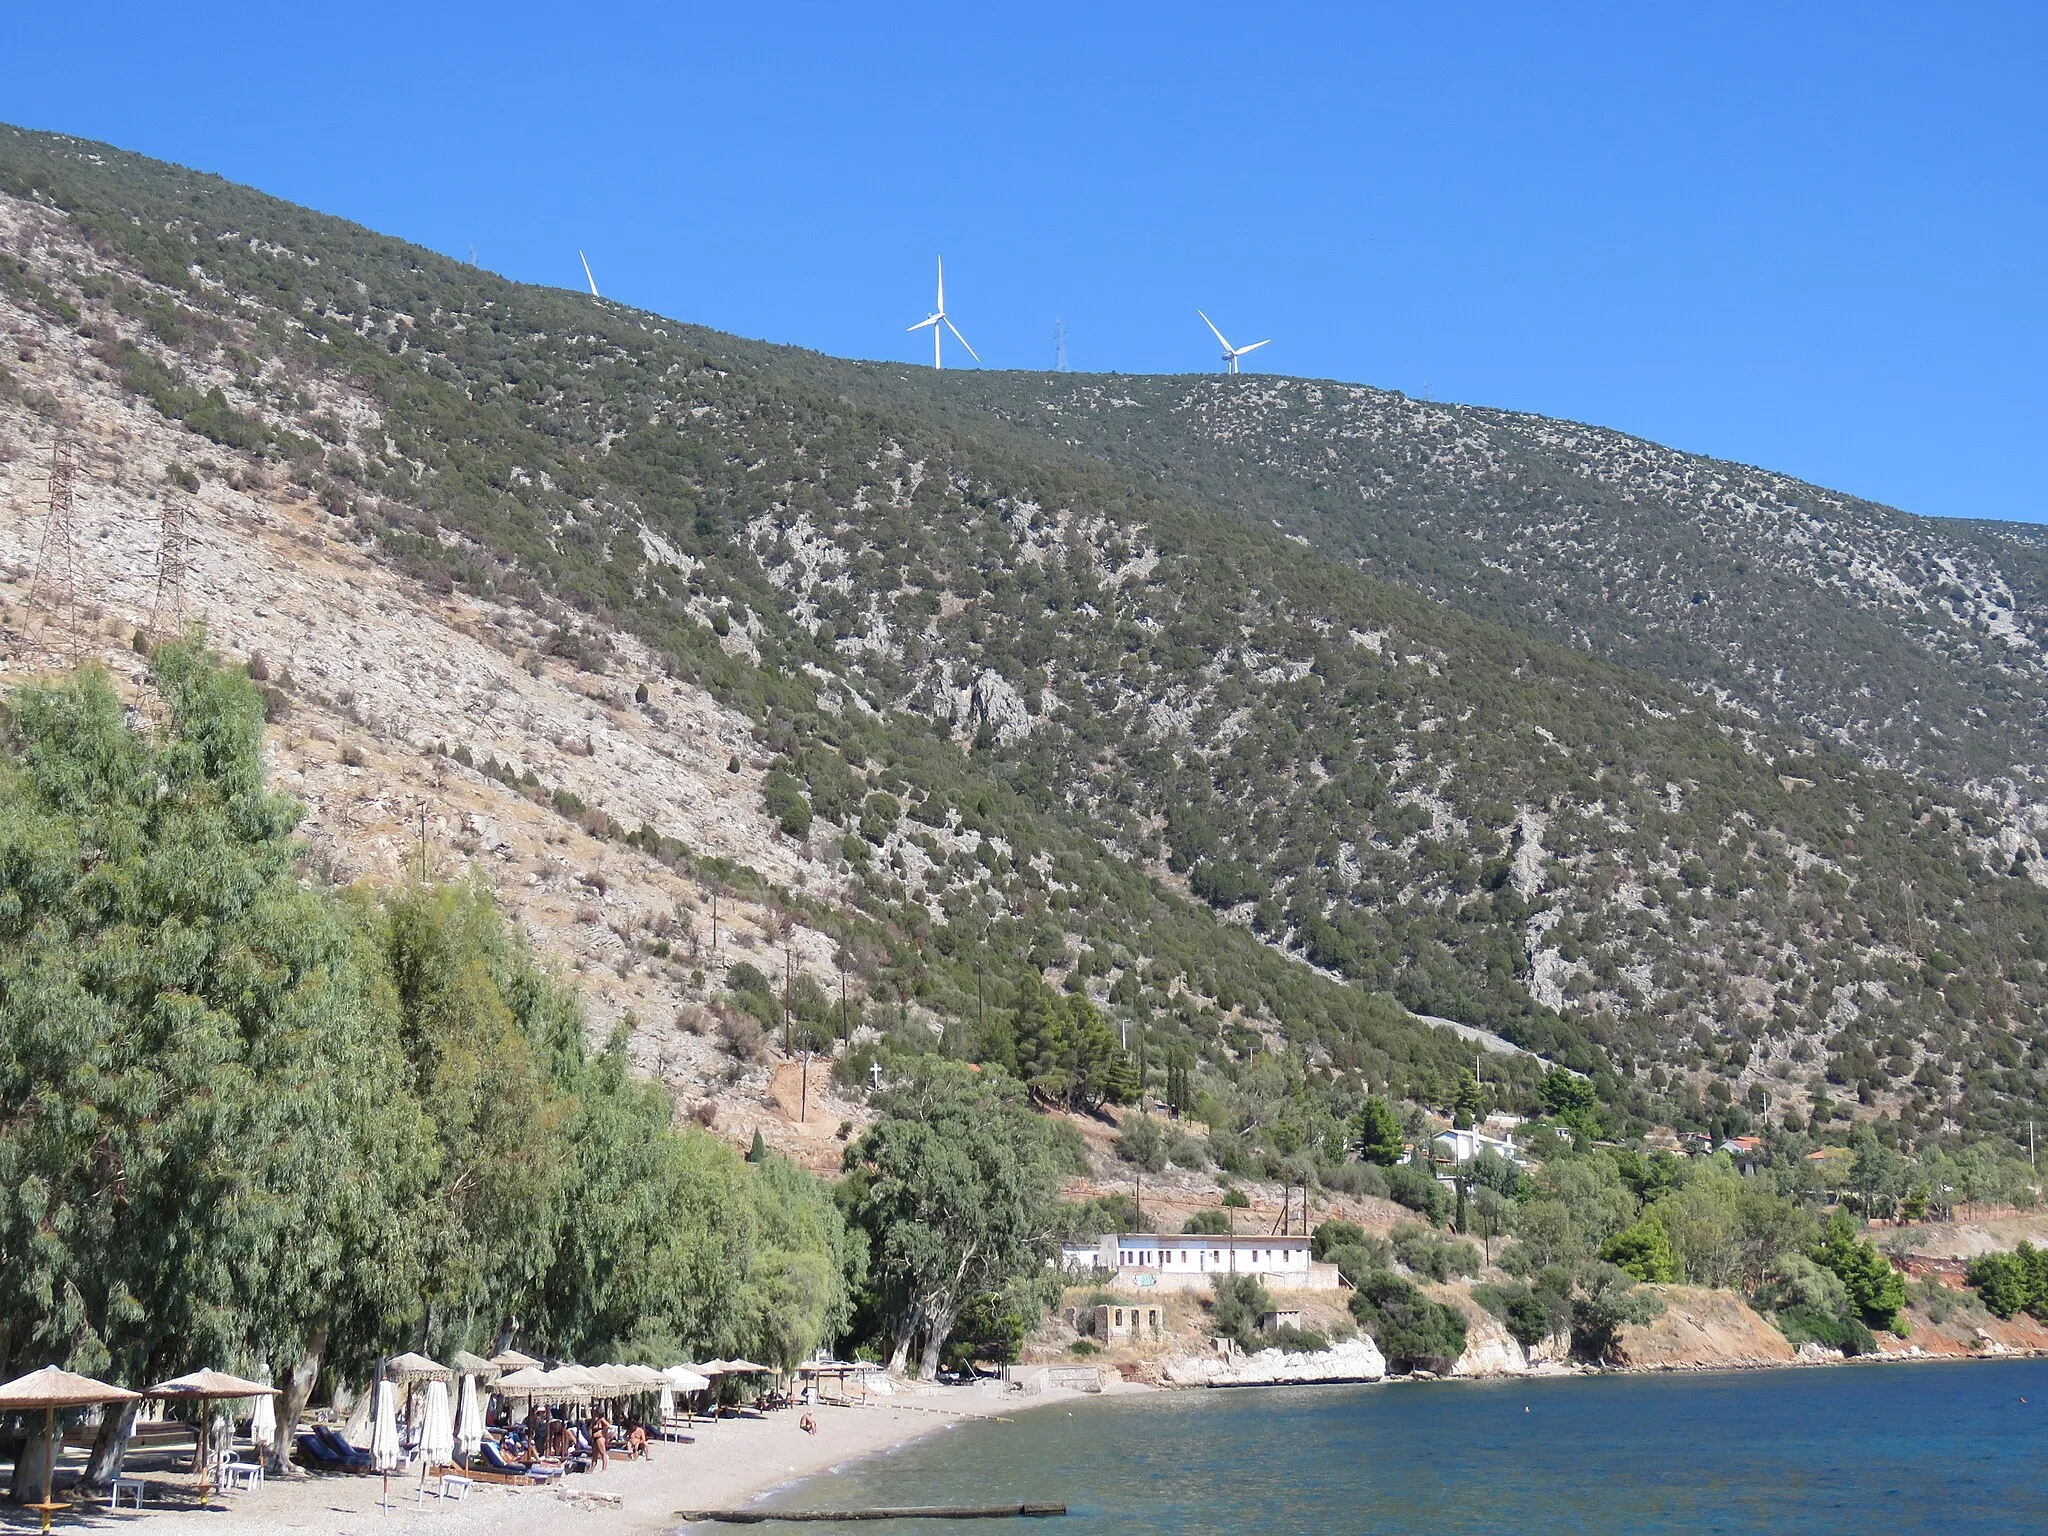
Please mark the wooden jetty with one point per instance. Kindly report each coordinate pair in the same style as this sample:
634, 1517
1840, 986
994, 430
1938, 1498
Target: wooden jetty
907, 1512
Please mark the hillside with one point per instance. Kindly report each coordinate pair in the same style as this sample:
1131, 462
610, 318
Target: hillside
997, 719
1916, 642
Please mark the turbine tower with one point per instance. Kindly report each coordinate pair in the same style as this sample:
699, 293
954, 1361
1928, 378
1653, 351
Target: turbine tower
1230, 354
593, 281
938, 319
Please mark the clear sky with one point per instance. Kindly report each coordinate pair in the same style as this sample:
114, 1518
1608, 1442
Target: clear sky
1805, 236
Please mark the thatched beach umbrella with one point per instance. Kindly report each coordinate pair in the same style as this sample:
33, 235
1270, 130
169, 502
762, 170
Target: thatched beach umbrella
412, 1367
513, 1360
467, 1364
205, 1388
50, 1389
534, 1385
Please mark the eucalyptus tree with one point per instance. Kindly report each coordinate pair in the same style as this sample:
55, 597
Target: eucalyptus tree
207, 1153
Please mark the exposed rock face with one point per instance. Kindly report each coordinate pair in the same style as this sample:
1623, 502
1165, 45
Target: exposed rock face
1489, 1350
1704, 1329
1356, 1359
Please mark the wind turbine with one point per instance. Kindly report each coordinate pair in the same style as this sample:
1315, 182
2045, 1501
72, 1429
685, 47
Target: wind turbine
596, 295
1230, 354
938, 318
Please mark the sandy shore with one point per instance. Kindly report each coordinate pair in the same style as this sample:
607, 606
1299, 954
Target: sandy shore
731, 1463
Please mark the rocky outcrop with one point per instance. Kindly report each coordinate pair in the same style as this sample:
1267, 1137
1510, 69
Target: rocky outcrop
1357, 1359
1706, 1330
1489, 1350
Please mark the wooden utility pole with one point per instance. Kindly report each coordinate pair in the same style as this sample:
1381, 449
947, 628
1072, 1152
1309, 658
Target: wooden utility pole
788, 979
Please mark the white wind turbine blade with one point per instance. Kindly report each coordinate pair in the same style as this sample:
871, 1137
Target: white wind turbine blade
1255, 346
928, 320
587, 277
962, 340
942, 289
1214, 332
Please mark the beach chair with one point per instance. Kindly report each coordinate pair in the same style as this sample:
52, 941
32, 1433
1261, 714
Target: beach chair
492, 1458
326, 1449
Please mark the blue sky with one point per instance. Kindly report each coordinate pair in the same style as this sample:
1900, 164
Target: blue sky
1809, 237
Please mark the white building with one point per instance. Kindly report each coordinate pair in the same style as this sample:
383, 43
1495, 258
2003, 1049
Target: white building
1145, 1260
1463, 1146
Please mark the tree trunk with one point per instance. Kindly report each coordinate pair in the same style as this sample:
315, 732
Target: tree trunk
291, 1402
109, 1447
506, 1334
906, 1335
938, 1329
32, 1466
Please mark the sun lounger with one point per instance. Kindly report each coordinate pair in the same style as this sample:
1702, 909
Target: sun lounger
328, 1450
491, 1458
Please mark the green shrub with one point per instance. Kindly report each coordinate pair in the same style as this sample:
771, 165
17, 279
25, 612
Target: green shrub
1433, 1255
1413, 1187
1413, 1332
1643, 1251
783, 798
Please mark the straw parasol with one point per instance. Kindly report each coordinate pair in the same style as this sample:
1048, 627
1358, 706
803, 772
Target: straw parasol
50, 1389
686, 1378
205, 1387
745, 1368
535, 1385
467, 1364
415, 1367
513, 1360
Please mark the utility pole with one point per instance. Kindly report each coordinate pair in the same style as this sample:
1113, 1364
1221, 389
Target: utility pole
788, 977
55, 586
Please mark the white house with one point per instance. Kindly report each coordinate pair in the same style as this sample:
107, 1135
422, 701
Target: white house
1186, 1261
1463, 1146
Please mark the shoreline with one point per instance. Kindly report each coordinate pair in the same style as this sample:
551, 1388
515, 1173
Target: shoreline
732, 1463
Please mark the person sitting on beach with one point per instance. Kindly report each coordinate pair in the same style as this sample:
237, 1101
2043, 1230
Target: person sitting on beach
636, 1443
807, 1424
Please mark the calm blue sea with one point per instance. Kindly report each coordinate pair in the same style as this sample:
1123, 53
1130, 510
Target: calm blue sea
1880, 1448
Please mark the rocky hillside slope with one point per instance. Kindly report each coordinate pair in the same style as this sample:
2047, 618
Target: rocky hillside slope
1916, 642
986, 713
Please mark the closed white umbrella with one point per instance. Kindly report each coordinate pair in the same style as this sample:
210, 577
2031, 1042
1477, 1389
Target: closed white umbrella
263, 1426
667, 1405
469, 1421
384, 1451
437, 1429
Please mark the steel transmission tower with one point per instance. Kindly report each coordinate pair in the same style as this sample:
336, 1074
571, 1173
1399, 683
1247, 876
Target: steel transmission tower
173, 557
54, 589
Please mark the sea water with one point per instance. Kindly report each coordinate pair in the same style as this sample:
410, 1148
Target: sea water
1891, 1448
